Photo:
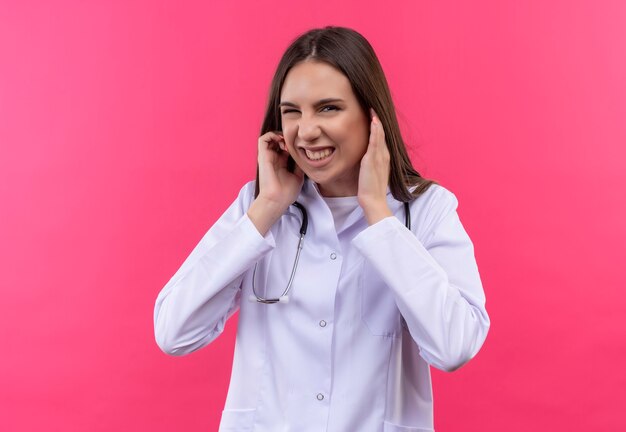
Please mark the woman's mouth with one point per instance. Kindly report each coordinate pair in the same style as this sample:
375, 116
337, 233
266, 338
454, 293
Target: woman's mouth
318, 155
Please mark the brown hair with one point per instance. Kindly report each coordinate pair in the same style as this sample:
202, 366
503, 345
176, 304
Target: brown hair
349, 52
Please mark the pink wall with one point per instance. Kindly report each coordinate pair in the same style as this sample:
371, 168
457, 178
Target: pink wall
126, 128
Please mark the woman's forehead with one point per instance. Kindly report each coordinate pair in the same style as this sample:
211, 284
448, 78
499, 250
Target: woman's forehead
311, 81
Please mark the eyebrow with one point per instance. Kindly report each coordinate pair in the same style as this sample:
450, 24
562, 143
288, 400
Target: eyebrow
316, 104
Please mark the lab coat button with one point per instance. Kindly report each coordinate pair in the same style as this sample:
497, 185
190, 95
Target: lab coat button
322, 323
333, 256
320, 397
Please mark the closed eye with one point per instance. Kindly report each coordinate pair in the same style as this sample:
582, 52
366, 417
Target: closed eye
326, 108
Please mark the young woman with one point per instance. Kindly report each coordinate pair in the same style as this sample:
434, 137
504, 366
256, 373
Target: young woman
351, 272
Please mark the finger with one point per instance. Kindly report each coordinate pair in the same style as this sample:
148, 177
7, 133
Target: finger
374, 134
379, 126
271, 142
273, 134
271, 137
375, 119
378, 147
379, 133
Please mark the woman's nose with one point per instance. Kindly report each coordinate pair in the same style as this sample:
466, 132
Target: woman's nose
308, 129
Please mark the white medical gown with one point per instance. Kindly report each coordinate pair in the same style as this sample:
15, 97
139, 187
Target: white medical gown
371, 308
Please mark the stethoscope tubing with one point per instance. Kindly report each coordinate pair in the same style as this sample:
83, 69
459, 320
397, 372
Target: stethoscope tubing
284, 298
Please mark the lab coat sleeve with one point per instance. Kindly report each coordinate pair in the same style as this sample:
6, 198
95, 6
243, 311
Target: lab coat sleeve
436, 284
192, 309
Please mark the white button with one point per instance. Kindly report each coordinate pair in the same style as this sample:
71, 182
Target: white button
322, 323
320, 397
333, 256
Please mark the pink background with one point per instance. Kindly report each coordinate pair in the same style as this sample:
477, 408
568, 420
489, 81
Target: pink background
127, 127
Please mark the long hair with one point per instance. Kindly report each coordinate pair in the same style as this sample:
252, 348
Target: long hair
349, 52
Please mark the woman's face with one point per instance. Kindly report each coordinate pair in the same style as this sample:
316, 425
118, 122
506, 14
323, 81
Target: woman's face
325, 129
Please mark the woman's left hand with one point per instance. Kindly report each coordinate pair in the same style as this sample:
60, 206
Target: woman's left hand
374, 174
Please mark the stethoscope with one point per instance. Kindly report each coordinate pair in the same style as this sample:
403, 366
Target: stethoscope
284, 298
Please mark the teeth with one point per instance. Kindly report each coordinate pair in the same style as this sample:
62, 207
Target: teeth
317, 155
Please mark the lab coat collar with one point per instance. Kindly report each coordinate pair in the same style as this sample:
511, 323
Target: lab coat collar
313, 201
311, 187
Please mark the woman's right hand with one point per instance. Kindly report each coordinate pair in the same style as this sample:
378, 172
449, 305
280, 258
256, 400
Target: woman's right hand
278, 188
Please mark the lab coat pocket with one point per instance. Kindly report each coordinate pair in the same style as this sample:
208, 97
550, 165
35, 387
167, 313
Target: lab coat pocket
237, 420
390, 427
379, 311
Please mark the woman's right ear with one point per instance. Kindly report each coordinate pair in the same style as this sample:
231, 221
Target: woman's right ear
281, 139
